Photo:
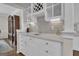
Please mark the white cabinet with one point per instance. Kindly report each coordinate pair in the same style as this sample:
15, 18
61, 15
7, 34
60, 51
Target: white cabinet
35, 46
69, 18
49, 12
32, 47
53, 48
49, 48
40, 47
54, 10
57, 10
23, 44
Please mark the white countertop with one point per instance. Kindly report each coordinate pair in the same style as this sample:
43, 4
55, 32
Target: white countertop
46, 36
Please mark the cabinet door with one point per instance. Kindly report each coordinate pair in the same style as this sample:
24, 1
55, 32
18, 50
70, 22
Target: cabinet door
27, 47
53, 48
57, 10
48, 48
21, 42
49, 13
24, 44
76, 43
40, 47
54, 11
31, 47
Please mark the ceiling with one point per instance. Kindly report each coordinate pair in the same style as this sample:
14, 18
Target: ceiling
19, 5
6, 10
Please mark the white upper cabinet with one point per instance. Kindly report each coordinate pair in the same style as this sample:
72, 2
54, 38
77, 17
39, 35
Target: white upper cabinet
50, 10
57, 10
54, 10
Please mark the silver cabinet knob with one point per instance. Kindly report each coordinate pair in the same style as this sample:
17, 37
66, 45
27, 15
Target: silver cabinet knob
46, 43
46, 51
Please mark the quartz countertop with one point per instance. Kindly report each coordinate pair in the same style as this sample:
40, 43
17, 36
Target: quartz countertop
46, 36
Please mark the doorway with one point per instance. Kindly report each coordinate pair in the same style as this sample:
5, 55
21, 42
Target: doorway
13, 25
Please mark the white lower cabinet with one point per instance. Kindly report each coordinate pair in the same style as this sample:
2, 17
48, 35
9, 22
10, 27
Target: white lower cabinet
53, 48
23, 45
40, 47
35, 46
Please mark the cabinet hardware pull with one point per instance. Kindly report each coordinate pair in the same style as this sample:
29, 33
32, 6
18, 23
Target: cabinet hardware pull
47, 43
46, 51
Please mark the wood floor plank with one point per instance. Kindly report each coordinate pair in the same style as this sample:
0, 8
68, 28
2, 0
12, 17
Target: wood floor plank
11, 53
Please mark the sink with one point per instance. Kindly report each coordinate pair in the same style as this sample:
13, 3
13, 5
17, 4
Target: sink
36, 34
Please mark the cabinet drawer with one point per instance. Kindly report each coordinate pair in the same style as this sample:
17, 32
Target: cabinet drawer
42, 47
52, 48
24, 42
33, 46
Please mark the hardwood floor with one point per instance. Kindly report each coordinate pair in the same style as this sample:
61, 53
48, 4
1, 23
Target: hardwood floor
14, 53
11, 53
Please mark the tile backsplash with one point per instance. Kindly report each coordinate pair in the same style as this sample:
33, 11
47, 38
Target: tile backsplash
43, 26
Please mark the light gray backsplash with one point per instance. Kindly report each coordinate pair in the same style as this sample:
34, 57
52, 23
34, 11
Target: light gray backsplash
43, 26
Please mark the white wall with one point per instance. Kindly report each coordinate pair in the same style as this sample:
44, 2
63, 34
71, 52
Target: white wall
5, 10
4, 26
9, 10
